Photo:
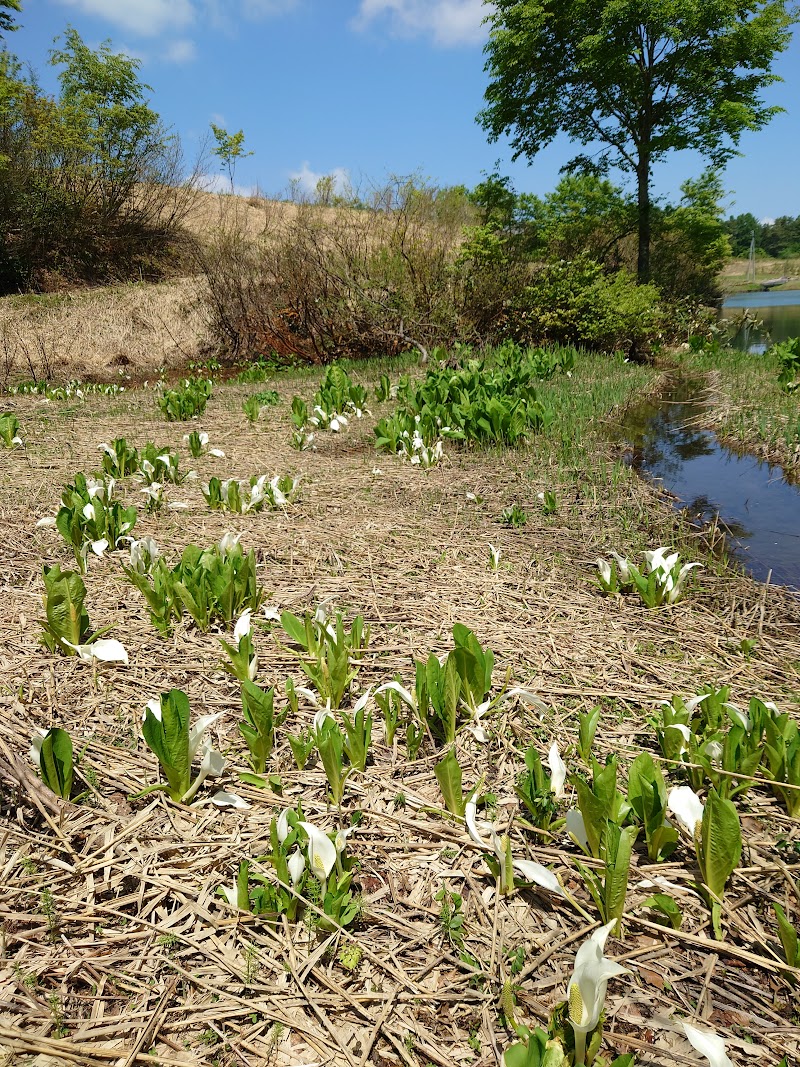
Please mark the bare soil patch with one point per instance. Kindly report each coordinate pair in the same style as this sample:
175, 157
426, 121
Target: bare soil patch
116, 948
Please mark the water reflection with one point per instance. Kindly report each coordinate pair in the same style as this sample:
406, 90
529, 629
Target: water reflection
757, 508
762, 318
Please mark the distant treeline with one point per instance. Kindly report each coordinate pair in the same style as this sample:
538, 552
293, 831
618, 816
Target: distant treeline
779, 239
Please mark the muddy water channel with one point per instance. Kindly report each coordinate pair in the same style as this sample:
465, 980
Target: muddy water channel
757, 508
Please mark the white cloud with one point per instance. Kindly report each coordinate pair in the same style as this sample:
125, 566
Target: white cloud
181, 51
307, 179
146, 17
449, 22
767, 221
151, 18
221, 183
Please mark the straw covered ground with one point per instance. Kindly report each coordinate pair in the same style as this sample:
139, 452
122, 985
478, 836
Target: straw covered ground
117, 949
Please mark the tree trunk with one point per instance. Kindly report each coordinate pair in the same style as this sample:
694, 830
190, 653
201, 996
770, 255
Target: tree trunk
643, 200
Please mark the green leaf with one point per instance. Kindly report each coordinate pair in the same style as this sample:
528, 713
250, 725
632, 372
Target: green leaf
168, 738
295, 628
667, 907
720, 842
618, 848
448, 775
56, 762
258, 726
452, 691
594, 812
789, 937
587, 726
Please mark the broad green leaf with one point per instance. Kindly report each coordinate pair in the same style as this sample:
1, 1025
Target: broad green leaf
66, 616
720, 842
789, 937
294, 628
56, 762
448, 775
168, 738
664, 904
594, 812
618, 847
587, 726
452, 691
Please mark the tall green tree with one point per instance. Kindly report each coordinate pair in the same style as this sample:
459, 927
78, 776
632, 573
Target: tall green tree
632, 80
5, 19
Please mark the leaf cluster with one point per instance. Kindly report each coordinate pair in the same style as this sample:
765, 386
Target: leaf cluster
209, 584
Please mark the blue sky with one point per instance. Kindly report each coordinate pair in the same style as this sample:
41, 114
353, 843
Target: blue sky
364, 88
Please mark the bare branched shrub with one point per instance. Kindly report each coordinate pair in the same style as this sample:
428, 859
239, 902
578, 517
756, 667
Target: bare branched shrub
357, 278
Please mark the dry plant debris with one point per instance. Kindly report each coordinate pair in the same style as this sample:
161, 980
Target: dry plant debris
116, 948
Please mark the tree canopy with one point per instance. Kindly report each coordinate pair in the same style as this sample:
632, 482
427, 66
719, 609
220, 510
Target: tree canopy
632, 80
6, 23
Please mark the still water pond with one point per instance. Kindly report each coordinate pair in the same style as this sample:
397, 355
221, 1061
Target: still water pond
756, 506
777, 316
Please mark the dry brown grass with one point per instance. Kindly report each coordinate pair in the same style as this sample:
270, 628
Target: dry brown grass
106, 334
135, 958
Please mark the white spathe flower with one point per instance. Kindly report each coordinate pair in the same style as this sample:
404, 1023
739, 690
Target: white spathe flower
48, 520
494, 557
321, 851
217, 453
296, 864
558, 770
687, 807
99, 547
525, 696
221, 799
243, 626
153, 705
88, 511
321, 716
35, 751
576, 828
526, 869
395, 687
674, 587
707, 1044
228, 542
340, 841
713, 749
693, 702
683, 730
196, 733
586, 992
623, 566
657, 560
539, 875
212, 765
741, 718
282, 828
105, 651
144, 553
604, 567
272, 614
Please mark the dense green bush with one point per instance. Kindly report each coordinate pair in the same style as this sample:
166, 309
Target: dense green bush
576, 303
